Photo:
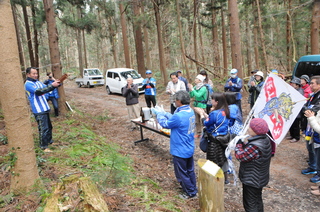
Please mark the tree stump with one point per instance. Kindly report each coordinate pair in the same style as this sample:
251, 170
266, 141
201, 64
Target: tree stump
211, 186
76, 193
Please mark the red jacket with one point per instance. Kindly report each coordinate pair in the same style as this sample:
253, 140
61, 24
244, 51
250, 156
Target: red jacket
307, 90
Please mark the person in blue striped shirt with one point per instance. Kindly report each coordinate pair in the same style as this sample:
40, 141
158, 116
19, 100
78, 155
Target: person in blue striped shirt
35, 91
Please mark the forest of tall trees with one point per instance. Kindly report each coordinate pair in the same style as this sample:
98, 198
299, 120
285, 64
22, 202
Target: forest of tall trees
216, 35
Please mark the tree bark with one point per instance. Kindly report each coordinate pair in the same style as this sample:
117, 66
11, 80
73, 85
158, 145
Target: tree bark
54, 51
14, 105
288, 35
146, 42
235, 36
215, 38
138, 40
315, 27
224, 43
263, 45
79, 44
35, 34
160, 43
21, 57
112, 41
126, 47
28, 33
84, 49
255, 37
248, 40
195, 48
182, 41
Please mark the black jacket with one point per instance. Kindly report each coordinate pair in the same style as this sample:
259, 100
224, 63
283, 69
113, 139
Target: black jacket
256, 172
131, 94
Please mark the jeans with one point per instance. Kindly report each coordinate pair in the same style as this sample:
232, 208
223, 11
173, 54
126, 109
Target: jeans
45, 129
317, 159
184, 171
55, 105
252, 199
312, 158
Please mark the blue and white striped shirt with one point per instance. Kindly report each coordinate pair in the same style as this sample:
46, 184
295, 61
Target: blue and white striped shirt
39, 103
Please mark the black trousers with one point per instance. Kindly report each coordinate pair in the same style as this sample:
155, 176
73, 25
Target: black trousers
172, 109
295, 129
252, 199
149, 99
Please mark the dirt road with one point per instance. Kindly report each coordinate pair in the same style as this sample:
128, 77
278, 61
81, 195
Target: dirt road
288, 190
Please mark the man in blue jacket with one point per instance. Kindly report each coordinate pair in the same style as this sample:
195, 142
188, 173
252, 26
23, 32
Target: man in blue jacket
234, 84
52, 96
35, 91
182, 125
149, 86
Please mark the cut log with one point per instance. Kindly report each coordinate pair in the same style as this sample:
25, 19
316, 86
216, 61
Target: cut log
210, 186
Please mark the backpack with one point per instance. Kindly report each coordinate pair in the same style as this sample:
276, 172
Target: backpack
209, 92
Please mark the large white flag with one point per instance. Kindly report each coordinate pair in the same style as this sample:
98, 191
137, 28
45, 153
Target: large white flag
278, 104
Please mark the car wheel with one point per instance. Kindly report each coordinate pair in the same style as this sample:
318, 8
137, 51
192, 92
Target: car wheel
79, 84
89, 86
108, 90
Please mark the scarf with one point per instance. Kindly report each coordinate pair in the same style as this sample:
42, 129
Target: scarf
198, 86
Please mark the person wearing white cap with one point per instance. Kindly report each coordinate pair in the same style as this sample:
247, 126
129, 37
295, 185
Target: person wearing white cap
149, 86
234, 84
199, 92
255, 87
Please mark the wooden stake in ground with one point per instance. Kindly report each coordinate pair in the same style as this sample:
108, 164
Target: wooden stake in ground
210, 186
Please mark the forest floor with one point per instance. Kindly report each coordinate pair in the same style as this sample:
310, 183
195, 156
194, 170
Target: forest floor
288, 189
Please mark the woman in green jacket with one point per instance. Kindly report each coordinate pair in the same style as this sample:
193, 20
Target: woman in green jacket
199, 92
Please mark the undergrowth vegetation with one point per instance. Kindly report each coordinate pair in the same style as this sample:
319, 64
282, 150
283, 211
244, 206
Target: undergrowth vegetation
79, 149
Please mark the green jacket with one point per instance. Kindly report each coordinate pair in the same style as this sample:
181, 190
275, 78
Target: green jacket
200, 96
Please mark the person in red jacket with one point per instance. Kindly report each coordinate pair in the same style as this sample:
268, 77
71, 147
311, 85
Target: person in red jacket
305, 85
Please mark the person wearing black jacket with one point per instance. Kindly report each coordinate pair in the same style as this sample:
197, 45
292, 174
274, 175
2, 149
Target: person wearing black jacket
130, 91
312, 104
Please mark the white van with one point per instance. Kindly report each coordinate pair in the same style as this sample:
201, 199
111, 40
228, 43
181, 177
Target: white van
116, 79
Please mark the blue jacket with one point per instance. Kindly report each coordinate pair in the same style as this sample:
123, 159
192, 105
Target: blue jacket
182, 125
235, 87
235, 114
53, 93
35, 92
149, 87
215, 118
185, 82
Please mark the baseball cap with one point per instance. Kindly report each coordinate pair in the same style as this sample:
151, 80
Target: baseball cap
148, 72
233, 71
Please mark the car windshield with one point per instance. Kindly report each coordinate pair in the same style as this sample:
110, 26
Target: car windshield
308, 68
94, 72
132, 73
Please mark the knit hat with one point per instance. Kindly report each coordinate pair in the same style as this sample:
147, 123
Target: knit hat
200, 77
259, 126
306, 78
